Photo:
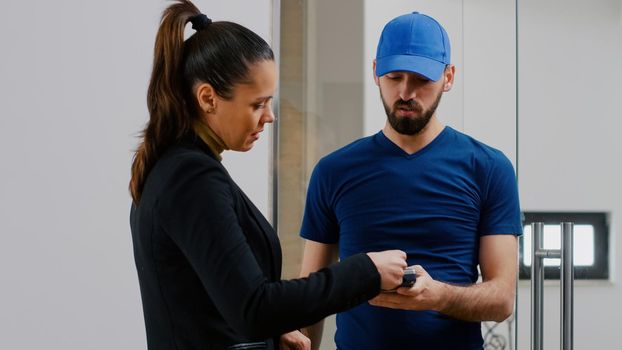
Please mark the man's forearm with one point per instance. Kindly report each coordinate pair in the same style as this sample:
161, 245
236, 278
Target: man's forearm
487, 301
491, 300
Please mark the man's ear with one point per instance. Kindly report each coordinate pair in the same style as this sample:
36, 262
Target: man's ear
448, 76
376, 80
206, 98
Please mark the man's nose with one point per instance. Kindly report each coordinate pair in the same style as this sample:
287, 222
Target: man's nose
408, 90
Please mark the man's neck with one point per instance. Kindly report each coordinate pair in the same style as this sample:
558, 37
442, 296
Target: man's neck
413, 143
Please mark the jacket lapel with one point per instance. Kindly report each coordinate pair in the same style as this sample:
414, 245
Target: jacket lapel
268, 233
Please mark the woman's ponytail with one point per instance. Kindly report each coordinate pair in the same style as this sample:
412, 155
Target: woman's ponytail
168, 119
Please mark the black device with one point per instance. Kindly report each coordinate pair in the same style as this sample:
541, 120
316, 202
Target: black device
409, 278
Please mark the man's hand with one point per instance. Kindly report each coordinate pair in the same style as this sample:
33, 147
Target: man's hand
490, 300
295, 341
425, 294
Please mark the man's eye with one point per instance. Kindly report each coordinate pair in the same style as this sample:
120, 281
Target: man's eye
260, 106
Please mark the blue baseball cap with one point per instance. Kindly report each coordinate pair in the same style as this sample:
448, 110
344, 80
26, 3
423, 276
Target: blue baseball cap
413, 43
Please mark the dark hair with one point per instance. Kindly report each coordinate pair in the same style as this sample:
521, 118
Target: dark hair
219, 54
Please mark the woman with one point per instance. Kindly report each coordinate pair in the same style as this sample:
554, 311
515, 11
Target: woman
208, 262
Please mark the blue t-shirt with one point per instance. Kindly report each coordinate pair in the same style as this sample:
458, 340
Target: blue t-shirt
433, 204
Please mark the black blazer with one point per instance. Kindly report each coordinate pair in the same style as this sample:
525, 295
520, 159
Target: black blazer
209, 263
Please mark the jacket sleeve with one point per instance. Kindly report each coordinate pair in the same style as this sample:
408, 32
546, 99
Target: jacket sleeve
197, 212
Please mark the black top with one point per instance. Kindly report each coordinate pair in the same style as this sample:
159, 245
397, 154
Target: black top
209, 263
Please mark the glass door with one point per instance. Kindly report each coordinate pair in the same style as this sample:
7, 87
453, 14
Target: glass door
328, 97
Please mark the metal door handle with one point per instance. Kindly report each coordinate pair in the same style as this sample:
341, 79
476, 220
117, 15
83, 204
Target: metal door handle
537, 284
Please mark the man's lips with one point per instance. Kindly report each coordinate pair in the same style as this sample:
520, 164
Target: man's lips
407, 111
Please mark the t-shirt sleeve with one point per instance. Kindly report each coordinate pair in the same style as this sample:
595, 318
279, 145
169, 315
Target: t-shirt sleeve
319, 222
500, 210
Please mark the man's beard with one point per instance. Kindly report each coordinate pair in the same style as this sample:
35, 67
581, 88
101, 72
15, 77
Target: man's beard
410, 125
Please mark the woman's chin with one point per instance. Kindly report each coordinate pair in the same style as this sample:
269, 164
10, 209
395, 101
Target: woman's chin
244, 148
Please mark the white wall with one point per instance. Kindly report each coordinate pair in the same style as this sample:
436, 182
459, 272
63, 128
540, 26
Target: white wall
73, 78
489, 73
569, 149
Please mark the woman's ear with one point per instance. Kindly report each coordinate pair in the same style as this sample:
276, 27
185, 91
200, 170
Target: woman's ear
206, 98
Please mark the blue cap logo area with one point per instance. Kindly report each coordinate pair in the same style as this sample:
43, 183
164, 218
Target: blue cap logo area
413, 43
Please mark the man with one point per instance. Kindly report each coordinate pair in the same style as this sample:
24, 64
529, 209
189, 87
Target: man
446, 199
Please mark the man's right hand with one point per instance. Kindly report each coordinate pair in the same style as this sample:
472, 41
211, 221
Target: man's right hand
390, 265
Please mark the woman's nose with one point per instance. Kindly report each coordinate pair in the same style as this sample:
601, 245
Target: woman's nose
268, 116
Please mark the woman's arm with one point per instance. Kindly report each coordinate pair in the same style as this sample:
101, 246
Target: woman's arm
197, 211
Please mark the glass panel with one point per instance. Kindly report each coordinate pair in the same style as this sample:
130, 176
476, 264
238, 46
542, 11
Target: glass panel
328, 97
321, 89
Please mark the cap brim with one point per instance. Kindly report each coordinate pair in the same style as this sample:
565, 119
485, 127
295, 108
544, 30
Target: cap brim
427, 67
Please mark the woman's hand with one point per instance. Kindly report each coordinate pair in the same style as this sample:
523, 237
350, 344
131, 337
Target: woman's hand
390, 265
295, 341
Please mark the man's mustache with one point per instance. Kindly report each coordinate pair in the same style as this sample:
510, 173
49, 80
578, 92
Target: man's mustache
409, 105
